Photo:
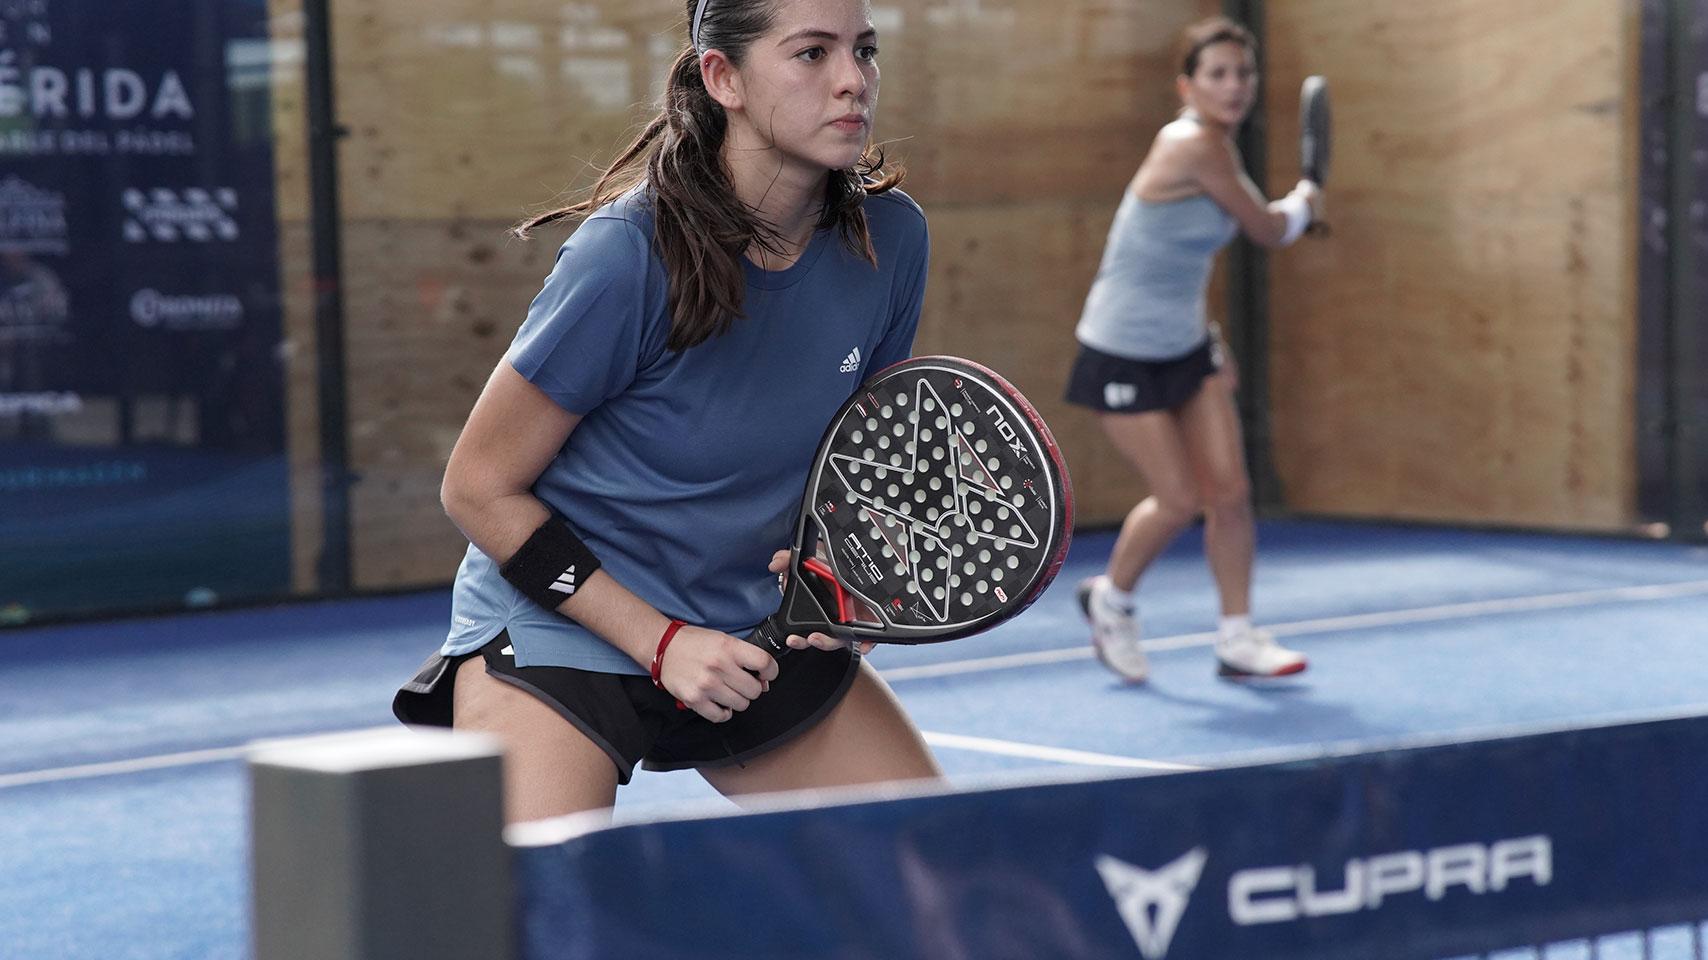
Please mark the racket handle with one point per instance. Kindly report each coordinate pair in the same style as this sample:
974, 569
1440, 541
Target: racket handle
768, 636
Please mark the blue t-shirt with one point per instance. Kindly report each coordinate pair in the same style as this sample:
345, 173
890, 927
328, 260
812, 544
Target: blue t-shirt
686, 471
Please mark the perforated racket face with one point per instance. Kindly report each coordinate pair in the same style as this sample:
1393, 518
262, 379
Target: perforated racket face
1315, 123
940, 500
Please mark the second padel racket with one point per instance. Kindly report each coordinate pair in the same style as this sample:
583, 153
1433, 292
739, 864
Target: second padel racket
1316, 123
937, 506
1315, 128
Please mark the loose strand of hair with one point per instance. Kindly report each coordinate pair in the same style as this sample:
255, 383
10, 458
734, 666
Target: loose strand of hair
845, 194
617, 179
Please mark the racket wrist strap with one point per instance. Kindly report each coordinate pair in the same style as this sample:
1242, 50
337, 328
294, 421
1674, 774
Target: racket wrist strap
551, 565
658, 657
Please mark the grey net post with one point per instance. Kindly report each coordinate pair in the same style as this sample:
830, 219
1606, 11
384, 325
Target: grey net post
380, 844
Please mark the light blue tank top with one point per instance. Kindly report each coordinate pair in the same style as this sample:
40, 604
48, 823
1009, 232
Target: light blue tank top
1147, 302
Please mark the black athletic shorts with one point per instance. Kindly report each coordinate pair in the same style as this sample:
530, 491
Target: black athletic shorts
1111, 384
634, 721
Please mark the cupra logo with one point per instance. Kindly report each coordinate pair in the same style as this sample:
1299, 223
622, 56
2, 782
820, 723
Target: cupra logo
1151, 901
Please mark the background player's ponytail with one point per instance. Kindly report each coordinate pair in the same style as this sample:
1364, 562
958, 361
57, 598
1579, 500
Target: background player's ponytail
702, 227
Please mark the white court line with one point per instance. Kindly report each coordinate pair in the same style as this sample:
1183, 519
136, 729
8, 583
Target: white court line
954, 741
120, 766
1009, 748
1448, 611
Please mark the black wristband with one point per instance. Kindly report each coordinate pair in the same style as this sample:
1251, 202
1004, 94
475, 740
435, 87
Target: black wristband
551, 566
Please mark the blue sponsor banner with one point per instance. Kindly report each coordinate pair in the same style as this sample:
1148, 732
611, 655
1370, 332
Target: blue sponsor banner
1409, 854
142, 446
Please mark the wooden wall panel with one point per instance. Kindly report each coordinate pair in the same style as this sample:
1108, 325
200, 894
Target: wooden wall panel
296, 286
464, 109
434, 310
1020, 124
302, 404
1025, 101
1462, 347
1459, 349
458, 108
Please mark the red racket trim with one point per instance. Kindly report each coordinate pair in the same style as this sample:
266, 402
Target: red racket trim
844, 603
658, 657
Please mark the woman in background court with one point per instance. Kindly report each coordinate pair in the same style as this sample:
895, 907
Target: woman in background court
1157, 372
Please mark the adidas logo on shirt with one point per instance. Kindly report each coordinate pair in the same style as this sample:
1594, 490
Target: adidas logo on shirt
851, 362
565, 582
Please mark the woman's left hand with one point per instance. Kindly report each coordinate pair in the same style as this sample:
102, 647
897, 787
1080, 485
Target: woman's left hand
780, 567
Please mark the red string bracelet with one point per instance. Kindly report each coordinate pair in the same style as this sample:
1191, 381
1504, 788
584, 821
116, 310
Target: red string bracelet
658, 657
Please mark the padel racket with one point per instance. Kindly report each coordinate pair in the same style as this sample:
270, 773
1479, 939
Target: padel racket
1315, 127
937, 506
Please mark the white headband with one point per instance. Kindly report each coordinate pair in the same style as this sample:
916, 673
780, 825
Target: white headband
694, 29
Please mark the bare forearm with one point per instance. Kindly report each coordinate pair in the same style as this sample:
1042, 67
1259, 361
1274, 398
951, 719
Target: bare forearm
620, 618
499, 526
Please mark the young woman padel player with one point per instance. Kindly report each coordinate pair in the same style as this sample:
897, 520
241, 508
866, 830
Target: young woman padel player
635, 461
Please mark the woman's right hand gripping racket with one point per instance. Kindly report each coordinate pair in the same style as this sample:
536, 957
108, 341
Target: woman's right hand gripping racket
937, 506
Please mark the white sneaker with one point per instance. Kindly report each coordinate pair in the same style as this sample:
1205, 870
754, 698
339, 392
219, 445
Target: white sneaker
1114, 631
1254, 653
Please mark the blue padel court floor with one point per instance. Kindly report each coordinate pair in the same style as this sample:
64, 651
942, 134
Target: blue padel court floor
123, 799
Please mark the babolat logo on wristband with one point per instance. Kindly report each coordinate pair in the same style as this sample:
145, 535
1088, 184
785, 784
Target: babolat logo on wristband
566, 582
551, 565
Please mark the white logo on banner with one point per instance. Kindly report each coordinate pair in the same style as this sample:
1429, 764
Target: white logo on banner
45, 404
34, 308
86, 111
116, 93
1282, 894
1151, 902
36, 302
32, 220
214, 311
168, 216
